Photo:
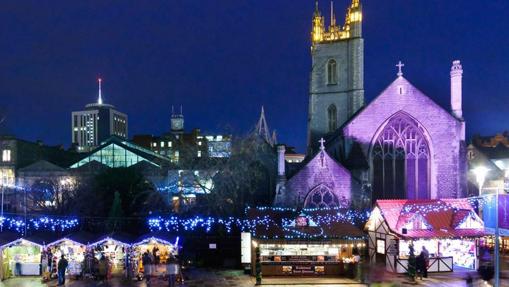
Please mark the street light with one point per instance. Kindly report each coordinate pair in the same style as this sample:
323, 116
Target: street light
480, 173
480, 176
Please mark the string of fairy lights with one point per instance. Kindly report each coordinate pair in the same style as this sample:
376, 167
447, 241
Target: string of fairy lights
40, 223
267, 217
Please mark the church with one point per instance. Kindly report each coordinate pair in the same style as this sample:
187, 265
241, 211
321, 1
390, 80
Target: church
401, 145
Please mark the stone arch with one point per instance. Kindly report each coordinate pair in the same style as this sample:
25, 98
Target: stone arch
401, 159
322, 196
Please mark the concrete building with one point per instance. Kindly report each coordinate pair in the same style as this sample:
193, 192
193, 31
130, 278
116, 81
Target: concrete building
97, 123
177, 143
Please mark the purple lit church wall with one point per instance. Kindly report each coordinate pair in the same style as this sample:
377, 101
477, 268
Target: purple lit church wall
428, 137
323, 182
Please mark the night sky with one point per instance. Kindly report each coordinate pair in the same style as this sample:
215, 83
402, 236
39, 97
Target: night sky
222, 60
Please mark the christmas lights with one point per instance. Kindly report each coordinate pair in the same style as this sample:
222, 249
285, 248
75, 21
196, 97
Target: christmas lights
286, 222
40, 223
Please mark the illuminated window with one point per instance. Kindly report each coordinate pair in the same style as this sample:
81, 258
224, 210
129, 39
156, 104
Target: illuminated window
169, 144
380, 246
162, 144
6, 176
6, 155
199, 143
199, 153
154, 144
332, 72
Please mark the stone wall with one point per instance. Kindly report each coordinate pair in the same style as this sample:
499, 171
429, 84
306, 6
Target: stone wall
443, 130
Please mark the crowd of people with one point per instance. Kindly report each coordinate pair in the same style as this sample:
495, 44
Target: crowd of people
151, 262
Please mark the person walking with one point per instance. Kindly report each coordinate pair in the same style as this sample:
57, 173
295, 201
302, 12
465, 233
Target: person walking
172, 268
61, 267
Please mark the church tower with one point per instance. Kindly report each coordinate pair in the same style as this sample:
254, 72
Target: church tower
337, 75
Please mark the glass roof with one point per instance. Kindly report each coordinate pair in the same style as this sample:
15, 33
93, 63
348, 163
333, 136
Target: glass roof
113, 155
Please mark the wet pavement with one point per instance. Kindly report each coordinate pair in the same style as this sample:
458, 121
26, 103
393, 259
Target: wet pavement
235, 278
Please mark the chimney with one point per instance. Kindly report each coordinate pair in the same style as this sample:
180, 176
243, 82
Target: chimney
281, 160
456, 76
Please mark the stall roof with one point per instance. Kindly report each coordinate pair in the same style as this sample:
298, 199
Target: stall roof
83, 237
279, 224
122, 238
437, 217
158, 236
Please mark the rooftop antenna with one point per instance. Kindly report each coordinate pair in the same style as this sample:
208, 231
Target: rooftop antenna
100, 99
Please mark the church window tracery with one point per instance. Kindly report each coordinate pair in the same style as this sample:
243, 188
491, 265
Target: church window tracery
321, 197
332, 72
401, 160
332, 118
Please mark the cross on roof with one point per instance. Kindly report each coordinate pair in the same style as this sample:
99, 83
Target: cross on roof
322, 141
400, 65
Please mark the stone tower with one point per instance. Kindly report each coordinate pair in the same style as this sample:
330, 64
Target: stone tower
337, 75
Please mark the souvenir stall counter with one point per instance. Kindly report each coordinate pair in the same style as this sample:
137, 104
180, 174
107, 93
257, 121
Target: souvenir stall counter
448, 229
317, 257
21, 257
73, 251
161, 249
297, 244
114, 250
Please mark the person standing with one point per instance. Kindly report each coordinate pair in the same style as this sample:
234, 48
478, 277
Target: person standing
172, 269
420, 265
102, 268
425, 254
61, 267
147, 266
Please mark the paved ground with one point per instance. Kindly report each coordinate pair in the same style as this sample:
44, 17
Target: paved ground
211, 278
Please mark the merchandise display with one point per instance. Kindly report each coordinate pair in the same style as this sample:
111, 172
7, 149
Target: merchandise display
463, 251
21, 257
113, 250
73, 251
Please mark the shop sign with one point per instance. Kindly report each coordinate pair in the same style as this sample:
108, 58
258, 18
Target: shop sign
303, 270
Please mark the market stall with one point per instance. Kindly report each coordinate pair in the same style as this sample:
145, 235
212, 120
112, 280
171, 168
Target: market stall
73, 251
300, 245
448, 229
161, 246
21, 257
113, 250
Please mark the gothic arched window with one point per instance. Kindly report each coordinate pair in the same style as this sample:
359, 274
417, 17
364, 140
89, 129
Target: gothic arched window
321, 197
401, 161
332, 74
332, 116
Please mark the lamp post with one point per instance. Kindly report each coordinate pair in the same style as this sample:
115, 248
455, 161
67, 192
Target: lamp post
480, 176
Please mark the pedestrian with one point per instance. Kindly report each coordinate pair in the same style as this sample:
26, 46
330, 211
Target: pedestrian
172, 269
469, 281
61, 267
103, 268
425, 254
420, 265
147, 266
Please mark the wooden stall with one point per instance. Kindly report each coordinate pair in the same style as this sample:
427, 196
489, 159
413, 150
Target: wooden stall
449, 229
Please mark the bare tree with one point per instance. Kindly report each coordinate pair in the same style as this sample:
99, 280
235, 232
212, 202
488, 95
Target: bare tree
226, 185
